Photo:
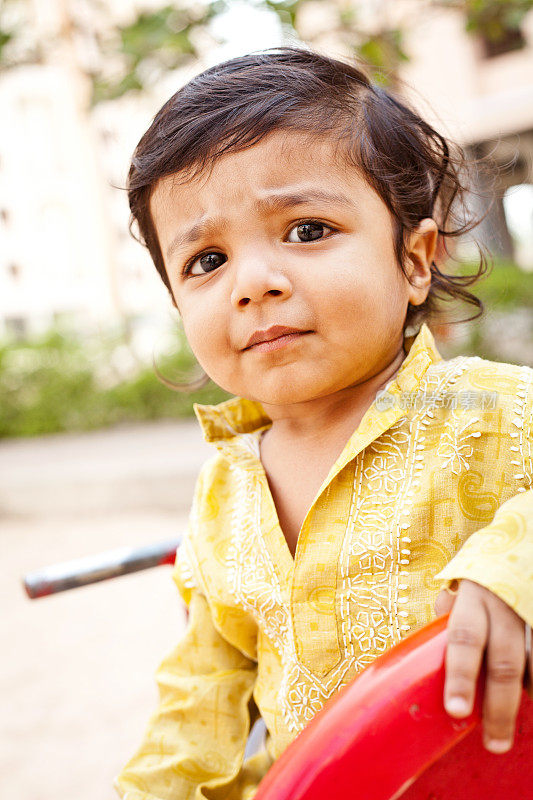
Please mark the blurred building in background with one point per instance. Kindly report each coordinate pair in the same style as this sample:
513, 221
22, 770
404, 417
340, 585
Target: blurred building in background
66, 255
483, 95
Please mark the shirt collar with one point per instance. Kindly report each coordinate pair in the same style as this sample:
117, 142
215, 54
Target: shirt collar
222, 423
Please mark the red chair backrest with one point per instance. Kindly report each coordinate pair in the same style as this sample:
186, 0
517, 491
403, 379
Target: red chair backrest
386, 735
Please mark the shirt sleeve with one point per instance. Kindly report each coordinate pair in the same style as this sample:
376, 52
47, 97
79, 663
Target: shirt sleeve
500, 556
194, 744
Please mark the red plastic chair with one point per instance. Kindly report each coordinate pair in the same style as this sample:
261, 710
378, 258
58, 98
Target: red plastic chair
386, 735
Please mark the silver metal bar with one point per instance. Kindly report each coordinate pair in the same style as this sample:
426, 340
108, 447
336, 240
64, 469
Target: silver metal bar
99, 567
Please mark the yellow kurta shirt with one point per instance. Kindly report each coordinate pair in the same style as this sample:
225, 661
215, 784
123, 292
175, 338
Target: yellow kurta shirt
433, 485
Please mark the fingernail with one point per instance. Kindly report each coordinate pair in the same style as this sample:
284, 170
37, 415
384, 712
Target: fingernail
457, 706
498, 745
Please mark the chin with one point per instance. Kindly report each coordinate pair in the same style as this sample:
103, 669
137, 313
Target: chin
279, 389
285, 394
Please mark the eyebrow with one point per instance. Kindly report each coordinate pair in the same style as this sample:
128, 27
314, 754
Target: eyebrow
274, 202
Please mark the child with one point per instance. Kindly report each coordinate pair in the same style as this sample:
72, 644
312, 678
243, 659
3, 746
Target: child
293, 210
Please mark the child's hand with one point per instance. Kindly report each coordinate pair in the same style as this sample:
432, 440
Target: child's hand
480, 621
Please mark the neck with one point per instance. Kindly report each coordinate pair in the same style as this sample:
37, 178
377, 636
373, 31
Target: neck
339, 412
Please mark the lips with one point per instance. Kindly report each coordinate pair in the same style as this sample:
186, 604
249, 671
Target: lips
269, 335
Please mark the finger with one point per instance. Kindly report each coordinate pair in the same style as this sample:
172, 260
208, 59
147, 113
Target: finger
506, 660
444, 603
467, 636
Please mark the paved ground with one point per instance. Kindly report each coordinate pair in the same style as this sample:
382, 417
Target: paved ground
77, 668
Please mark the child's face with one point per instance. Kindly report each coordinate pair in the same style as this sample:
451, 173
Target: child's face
285, 234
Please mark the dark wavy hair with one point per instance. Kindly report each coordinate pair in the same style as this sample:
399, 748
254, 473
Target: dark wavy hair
231, 106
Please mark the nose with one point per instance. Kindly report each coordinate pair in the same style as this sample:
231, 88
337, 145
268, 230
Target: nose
256, 281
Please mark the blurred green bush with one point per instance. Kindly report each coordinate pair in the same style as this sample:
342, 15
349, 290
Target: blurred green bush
60, 382
505, 330
506, 286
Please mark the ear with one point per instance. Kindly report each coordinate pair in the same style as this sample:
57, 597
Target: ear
420, 255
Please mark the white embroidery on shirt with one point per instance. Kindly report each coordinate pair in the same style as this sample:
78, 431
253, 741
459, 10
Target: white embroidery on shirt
522, 430
371, 557
374, 589
454, 446
257, 588
373, 561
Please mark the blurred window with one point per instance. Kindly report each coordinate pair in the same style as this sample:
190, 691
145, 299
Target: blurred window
511, 39
17, 326
518, 205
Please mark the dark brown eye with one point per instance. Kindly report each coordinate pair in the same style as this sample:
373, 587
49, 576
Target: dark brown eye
206, 263
308, 232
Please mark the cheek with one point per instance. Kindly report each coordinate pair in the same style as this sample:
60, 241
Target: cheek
363, 293
353, 285
206, 334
